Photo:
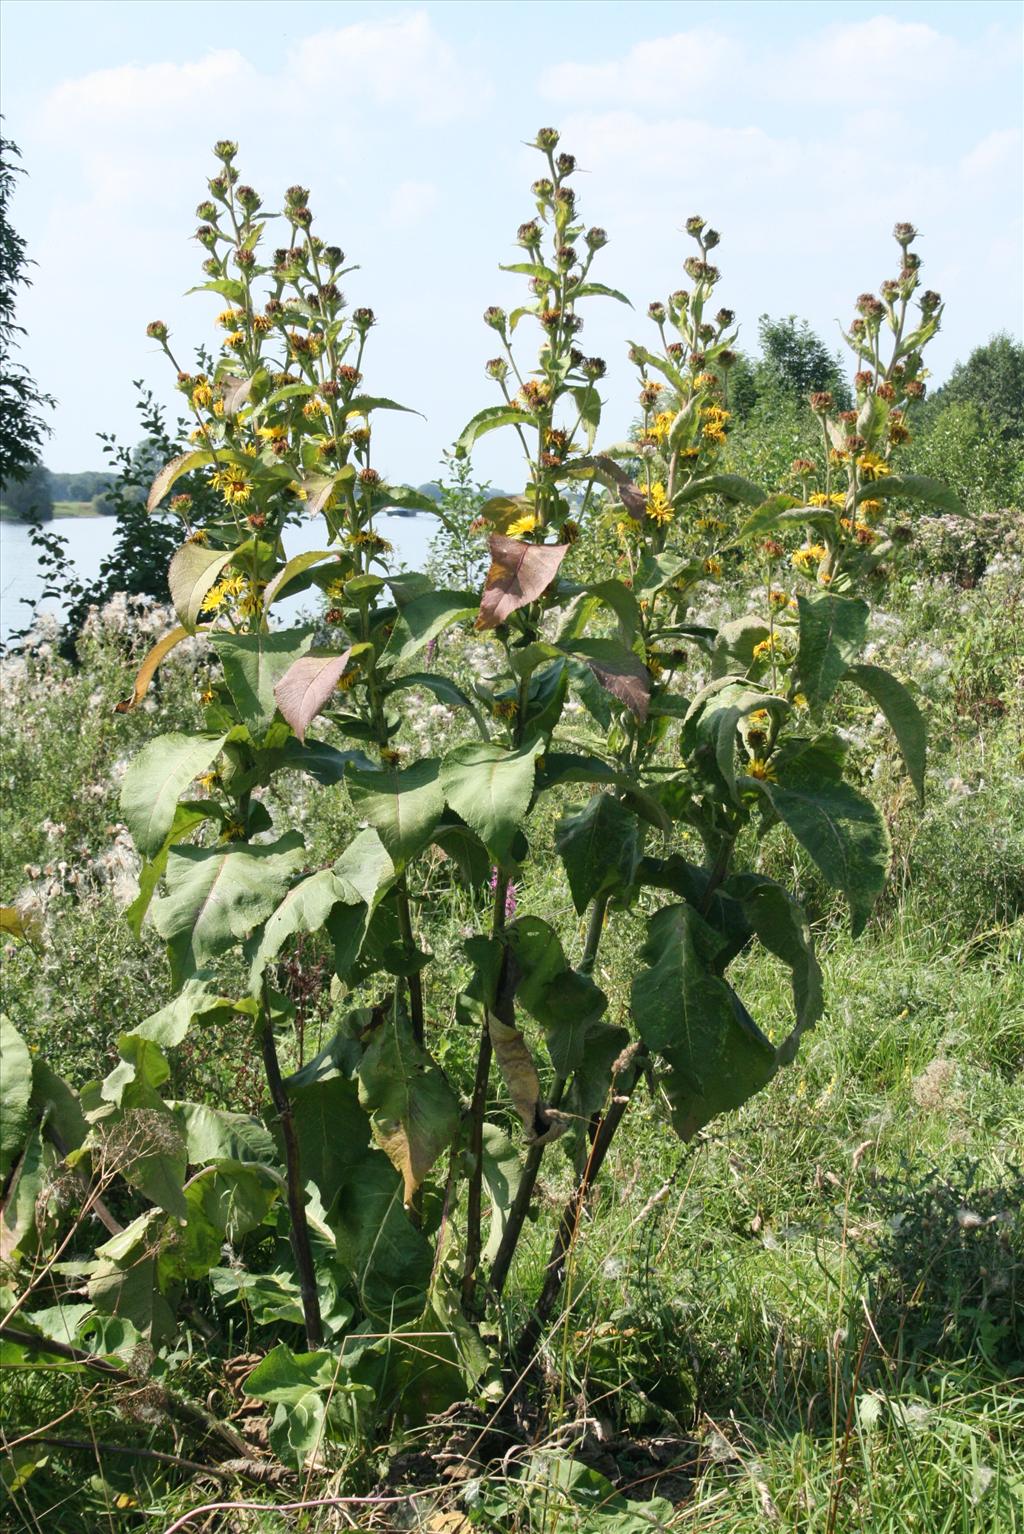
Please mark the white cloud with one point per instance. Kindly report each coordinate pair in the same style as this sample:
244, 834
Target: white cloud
140, 92
868, 59
400, 63
657, 73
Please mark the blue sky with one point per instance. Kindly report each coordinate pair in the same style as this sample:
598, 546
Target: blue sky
801, 131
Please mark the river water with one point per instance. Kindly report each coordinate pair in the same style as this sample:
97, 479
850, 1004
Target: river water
90, 540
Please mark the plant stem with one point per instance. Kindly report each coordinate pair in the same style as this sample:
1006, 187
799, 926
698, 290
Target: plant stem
415, 980
185, 1412
521, 1203
594, 929
531, 1168
299, 1231
554, 1277
501, 1004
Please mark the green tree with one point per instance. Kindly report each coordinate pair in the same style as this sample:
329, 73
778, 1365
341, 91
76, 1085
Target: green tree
795, 361
992, 378
22, 427
29, 496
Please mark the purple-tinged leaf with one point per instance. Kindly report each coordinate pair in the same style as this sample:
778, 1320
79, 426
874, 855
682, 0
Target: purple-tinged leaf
618, 670
519, 573
305, 688
634, 501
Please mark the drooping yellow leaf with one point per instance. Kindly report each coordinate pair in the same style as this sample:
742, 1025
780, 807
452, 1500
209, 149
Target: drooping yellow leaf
147, 670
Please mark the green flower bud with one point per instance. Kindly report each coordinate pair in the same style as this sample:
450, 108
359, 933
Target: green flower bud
157, 330
547, 138
496, 318
225, 149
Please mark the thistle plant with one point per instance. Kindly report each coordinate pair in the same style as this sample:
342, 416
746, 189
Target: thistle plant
384, 1198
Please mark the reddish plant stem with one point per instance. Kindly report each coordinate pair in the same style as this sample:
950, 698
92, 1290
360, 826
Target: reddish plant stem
299, 1227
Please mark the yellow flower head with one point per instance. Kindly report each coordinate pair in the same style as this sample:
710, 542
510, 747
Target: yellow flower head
251, 601
658, 507
767, 648
661, 425
223, 593
713, 565
202, 396
229, 319
872, 467
522, 525
837, 500
234, 484
758, 768
714, 420
809, 556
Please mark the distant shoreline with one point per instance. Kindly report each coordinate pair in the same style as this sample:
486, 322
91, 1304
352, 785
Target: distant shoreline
62, 510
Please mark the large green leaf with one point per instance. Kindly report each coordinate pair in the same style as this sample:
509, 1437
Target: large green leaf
733, 487
566, 1003
225, 1202
690, 1016
305, 908
599, 846
913, 487
487, 420
502, 1170
403, 804
781, 924
832, 634
58, 1105
184, 463
413, 1110
840, 830
733, 651
284, 1376
714, 727
903, 715
387, 1261
155, 781
18, 1235
151, 1148
193, 571
15, 1095
187, 817
491, 788
424, 619
253, 666
216, 896
214, 1134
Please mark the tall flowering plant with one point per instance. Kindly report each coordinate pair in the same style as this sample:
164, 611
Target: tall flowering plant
383, 1198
